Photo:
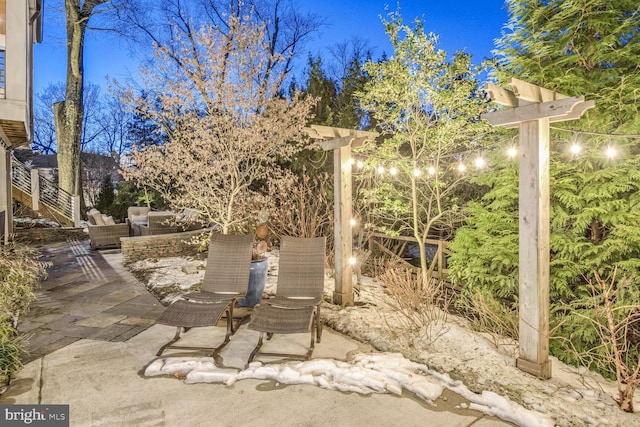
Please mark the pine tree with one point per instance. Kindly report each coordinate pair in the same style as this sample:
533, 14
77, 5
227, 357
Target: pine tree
324, 89
588, 48
106, 196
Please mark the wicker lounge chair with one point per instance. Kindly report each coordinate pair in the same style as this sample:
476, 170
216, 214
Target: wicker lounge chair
103, 231
158, 223
137, 215
225, 280
296, 307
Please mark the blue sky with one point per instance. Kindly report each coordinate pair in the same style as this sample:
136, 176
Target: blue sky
471, 25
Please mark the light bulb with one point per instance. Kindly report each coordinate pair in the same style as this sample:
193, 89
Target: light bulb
417, 173
611, 152
393, 171
462, 167
431, 170
575, 149
479, 162
380, 170
512, 152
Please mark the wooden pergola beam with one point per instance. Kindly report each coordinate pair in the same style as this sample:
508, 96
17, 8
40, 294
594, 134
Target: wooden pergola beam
328, 132
556, 111
529, 92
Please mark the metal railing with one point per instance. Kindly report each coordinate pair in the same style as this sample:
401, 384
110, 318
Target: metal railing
20, 176
2, 73
49, 194
54, 196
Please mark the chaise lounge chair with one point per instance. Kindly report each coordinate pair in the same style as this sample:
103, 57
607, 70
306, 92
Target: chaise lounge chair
296, 307
225, 280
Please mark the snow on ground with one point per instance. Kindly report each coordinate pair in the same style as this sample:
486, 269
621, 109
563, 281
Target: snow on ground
450, 356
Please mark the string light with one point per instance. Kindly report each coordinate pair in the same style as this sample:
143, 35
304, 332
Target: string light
353, 222
464, 160
352, 261
611, 152
584, 132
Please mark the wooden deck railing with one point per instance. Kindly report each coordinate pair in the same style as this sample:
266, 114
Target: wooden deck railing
396, 246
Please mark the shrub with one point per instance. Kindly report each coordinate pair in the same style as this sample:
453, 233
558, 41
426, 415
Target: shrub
19, 274
419, 310
11, 347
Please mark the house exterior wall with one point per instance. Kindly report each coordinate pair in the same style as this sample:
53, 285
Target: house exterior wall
21, 20
20, 27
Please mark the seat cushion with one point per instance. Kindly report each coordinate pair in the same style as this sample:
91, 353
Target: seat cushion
138, 219
97, 217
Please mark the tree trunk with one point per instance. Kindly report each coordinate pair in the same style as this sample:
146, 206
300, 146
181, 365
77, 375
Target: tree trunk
68, 114
68, 148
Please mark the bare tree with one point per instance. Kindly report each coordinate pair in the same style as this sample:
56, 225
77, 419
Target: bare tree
286, 27
116, 137
226, 128
95, 123
44, 139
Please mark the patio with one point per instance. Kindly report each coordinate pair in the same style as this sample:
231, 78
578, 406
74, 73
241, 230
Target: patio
94, 335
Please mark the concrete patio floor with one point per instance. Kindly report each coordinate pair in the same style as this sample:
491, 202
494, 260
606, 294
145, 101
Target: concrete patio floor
92, 334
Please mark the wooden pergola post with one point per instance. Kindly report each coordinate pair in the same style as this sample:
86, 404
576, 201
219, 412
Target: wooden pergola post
341, 141
532, 109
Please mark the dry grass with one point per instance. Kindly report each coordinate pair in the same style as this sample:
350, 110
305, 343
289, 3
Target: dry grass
418, 310
491, 317
616, 324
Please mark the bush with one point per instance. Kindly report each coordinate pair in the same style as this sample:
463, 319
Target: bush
19, 274
11, 347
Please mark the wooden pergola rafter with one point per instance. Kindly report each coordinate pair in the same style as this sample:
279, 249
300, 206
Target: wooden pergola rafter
531, 109
341, 141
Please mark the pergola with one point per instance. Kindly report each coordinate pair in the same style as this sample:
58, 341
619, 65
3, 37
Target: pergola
532, 109
341, 141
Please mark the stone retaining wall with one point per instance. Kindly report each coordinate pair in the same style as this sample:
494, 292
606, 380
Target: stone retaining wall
160, 246
42, 235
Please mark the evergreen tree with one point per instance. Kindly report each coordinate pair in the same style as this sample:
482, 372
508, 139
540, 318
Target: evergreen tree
106, 196
349, 113
324, 89
143, 131
588, 48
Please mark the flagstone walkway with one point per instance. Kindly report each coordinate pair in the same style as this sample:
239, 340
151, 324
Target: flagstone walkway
85, 295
